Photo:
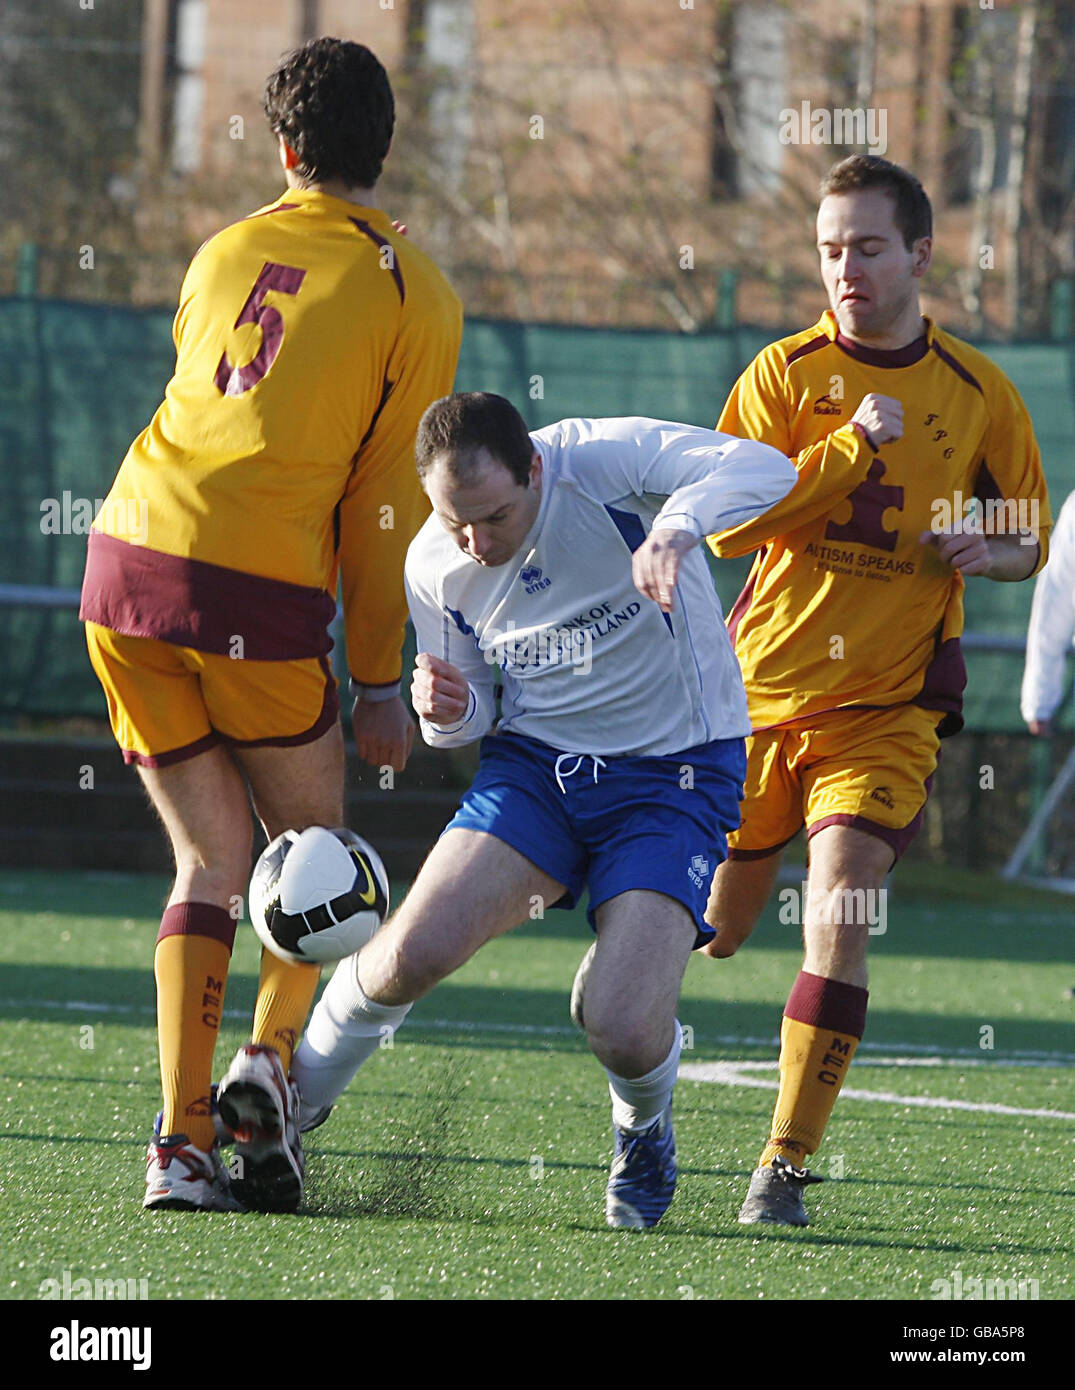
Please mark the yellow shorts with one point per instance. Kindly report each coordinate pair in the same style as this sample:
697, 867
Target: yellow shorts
869, 769
169, 703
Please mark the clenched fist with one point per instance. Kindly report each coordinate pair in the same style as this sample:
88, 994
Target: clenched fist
439, 691
881, 417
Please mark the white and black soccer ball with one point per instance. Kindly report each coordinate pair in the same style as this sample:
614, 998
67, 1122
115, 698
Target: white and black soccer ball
318, 895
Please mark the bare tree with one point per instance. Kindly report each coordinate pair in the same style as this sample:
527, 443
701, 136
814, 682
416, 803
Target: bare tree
67, 143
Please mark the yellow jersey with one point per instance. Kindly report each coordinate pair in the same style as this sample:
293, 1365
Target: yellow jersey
844, 606
310, 337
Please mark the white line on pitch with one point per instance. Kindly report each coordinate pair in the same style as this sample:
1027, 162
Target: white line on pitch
930, 1056
732, 1074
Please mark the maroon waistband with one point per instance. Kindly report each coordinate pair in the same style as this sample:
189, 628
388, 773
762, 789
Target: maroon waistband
147, 593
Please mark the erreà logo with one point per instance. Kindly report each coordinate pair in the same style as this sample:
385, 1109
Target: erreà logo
825, 405
533, 580
699, 870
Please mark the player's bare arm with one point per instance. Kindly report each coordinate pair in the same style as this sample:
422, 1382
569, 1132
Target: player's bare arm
439, 691
741, 888
656, 565
1003, 558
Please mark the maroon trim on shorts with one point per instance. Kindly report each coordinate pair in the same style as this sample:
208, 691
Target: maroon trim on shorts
905, 356
897, 840
198, 919
814, 345
174, 755
330, 712
958, 368
761, 853
827, 1004
146, 593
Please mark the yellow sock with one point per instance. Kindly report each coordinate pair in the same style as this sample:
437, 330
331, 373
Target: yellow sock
191, 968
285, 993
823, 1023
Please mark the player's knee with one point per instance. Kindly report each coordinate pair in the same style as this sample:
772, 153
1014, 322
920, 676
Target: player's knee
626, 1046
219, 866
835, 949
844, 910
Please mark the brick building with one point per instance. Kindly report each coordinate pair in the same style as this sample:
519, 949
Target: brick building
607, 163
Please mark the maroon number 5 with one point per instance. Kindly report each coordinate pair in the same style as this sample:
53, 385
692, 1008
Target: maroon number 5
233, 381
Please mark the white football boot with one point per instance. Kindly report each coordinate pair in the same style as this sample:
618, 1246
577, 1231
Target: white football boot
260, 1106
180, 1177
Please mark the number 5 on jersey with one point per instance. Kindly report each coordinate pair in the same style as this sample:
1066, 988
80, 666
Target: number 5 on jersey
286, 279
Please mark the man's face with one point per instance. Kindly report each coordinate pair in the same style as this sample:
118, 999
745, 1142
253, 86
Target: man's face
488, 516
869, 274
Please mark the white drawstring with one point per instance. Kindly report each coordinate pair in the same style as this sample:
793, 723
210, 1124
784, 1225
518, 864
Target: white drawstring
597, 762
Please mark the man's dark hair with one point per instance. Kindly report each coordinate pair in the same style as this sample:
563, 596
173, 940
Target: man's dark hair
914, 216
332, 102
457, 427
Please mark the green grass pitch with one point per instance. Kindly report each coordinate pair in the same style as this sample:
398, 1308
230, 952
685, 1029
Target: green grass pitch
469, 1160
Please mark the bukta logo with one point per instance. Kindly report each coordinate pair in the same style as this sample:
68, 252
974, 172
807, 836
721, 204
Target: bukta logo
825, 405
842, 125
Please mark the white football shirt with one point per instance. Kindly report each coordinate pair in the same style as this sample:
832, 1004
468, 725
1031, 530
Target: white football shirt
587, 664
1052, 622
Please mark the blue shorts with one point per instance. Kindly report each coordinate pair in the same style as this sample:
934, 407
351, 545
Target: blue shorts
615, 823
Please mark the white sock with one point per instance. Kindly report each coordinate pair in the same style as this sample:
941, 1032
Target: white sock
344, 1031
638, 1102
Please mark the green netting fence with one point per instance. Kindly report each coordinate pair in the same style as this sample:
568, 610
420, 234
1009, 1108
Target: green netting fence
79, 381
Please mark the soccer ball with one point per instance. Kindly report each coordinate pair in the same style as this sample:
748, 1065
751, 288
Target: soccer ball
318, 895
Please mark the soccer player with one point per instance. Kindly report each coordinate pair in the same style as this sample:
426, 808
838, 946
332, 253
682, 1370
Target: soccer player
1052, 627
917, 469
570, 560
309, 339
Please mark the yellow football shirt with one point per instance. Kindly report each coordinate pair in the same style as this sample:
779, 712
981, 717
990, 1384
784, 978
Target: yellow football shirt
310, 337
844, 606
